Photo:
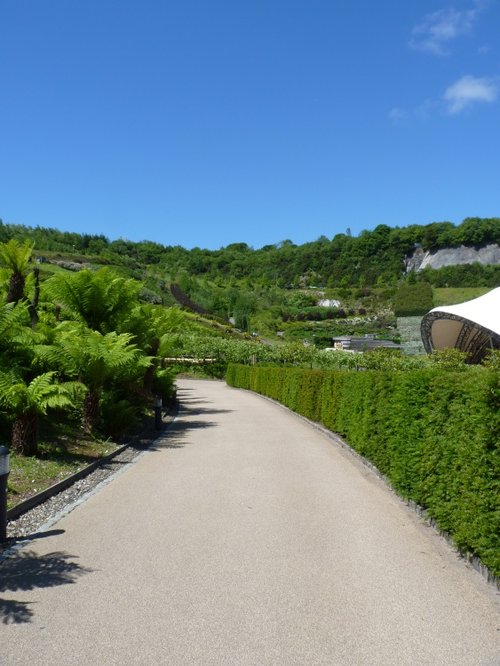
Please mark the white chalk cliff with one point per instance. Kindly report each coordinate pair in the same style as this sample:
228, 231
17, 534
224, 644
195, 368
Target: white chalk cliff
453, 256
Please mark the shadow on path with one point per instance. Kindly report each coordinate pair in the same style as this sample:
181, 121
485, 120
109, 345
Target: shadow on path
187, 410
178, 432
26, 570
189, 407
31, 537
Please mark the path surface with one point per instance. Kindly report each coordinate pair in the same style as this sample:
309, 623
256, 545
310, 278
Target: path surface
245, 537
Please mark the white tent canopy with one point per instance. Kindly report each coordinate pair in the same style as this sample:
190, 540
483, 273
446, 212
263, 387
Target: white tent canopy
472, 327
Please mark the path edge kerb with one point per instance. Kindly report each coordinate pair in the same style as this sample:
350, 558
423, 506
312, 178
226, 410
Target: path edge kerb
473, 560
44, 495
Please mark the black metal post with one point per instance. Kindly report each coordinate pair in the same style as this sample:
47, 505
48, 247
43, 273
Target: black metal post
158, 420
4, 473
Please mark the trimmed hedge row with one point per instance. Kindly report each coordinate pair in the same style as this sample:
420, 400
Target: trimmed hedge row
435, 435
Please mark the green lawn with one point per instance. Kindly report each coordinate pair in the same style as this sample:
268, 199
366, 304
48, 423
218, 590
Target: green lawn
57, 459
454, 295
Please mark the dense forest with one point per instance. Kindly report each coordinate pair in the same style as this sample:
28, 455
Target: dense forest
372, 257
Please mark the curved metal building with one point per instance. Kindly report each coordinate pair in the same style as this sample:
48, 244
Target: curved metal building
472, 327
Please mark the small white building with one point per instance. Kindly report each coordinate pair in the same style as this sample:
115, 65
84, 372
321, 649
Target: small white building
328, 303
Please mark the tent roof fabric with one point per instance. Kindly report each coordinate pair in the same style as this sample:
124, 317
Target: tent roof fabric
472, 327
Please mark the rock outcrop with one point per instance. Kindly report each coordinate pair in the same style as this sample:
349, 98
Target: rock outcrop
452, 256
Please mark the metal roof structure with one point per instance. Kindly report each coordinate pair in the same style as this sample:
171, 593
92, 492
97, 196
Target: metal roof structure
472, 327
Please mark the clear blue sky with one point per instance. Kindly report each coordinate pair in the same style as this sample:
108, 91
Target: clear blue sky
208, 122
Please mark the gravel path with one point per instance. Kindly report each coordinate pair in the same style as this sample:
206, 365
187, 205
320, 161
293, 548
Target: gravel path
244, 537
32, 521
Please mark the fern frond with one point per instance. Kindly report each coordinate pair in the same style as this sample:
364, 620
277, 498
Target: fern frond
16, 255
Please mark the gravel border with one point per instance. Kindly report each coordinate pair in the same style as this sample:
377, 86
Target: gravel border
26, 526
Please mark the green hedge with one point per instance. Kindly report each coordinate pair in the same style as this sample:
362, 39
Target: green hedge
435, 435
413, 300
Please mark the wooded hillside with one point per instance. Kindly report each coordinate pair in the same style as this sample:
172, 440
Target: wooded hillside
373, 257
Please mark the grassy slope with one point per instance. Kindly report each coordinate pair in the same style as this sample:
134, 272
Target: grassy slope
454, 295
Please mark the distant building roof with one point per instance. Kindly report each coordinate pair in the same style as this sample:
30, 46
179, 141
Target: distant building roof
364, 343
472, 327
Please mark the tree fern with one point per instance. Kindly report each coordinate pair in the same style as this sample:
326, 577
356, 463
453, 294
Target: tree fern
96, 360
99, 299
16, 257
27, 401
148, 324
17, 338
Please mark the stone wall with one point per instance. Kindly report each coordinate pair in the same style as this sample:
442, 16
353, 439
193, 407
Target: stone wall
411, 339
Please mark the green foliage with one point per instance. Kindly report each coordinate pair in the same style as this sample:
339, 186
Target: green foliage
117, 415
25, 402
390, 360
16, 255
455, 295
99, 299
337, 360
163, 384
99, 361
94, 358
42, 393
372, 257
15, 333
434, 432
253, 286
413, 299
300, 299
91, 327
448, 359
462, 275
295, 353
492, 359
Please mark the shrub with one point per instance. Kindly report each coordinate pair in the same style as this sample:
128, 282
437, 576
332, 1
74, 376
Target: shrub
117, 415
413, 300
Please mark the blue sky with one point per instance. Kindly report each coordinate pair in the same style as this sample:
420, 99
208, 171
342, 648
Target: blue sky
203, 123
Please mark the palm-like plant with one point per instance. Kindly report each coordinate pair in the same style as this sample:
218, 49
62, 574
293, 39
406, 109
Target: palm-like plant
17, 338
27, 401
16, 256
13, 321
96, 360
148, 324
100, 299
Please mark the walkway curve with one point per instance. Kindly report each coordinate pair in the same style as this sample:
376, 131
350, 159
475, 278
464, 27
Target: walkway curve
245, 537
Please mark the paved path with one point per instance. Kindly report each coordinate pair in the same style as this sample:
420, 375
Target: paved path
245, 537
